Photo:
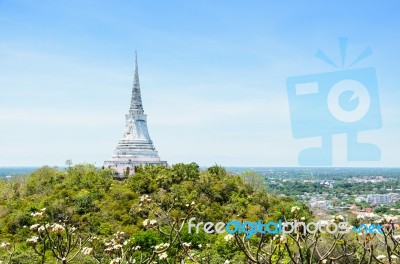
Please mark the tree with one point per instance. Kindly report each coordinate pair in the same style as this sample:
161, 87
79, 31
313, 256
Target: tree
254, 179
68, 163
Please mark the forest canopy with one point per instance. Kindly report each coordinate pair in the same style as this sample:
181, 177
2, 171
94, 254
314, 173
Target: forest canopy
90, 200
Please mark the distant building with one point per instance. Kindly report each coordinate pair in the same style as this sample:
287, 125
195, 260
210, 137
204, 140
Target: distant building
379, 198
360, 199
135, 148
327, 183
322, 204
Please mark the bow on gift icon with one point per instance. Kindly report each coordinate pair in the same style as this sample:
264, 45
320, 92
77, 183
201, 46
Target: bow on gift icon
345, 101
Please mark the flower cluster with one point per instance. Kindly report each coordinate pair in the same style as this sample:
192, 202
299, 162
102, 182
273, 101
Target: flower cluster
163, 255
186, 245
87, 250
161, 246
338, 218
40, 214
57, 228
32, 241
295, 209
115, 244
35, 227
37, 215
5, 245
54, 228
147, 223
145, 198
120, 236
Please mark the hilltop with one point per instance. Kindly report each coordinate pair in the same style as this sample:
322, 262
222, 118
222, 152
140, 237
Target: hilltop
90, 200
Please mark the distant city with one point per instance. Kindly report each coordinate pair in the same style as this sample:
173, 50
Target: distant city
353, 192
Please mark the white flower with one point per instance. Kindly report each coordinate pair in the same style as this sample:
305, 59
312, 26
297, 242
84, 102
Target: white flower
227, 261
43, 209
119, 234
37, 215
338, 218
163, 255
87, 250
57, 228
33, 240
186, 244
145, 198
379, 257
136, 248
148, 222
192, 203
324, 261
229, 237
5, 245
302, 218
115, 261
295, 209
108, 250
161, 246
41, 229
34, 227
187, 205
199, 245
117, 246
393, 256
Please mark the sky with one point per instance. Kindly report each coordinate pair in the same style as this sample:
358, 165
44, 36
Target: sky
213, 77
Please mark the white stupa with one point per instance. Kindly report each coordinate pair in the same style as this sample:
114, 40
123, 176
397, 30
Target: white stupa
135, 148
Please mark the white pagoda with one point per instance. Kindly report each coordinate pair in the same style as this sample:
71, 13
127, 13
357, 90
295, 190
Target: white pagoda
135, 148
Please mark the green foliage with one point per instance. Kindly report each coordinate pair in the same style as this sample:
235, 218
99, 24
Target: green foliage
254, 179
147, 239
217, 171
97, 204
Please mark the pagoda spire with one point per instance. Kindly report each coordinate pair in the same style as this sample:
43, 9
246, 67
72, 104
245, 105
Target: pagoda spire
136, 100
135, 148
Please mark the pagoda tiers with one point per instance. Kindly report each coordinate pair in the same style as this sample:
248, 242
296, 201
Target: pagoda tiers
135, 148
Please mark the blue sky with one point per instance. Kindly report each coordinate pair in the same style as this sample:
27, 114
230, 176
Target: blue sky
213, 76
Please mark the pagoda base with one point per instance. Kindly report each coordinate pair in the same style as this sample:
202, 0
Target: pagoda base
126, 167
